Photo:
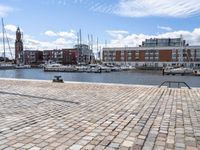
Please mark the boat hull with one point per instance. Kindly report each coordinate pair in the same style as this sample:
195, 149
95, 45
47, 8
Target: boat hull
179, 71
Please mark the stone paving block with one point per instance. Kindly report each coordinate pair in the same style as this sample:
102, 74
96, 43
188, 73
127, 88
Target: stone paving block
127, 144
48, 148
62, 147
181, 145
114, 145
3, 146
88, 147
83, 142
28, 146
18, 145
105, 142
99, 147
35, 148
75, 147
191, 148
159, 148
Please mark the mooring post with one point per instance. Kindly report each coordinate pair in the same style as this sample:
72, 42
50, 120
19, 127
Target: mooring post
58, 79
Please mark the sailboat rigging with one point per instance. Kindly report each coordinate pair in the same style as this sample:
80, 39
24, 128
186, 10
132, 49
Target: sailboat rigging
4, 48
5, 65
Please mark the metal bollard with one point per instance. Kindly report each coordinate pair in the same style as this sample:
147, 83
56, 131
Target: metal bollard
58, 79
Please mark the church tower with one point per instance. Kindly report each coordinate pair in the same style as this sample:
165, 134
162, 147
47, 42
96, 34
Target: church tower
18, 47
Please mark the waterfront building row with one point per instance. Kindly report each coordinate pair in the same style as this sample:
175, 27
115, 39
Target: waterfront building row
78, 55
154, 55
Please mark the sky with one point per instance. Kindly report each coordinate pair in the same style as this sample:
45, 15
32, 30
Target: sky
53, 24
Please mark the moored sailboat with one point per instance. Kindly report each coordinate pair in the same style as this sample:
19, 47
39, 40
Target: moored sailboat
4, 64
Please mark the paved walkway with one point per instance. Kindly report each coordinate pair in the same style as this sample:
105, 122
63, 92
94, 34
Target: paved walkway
43, 115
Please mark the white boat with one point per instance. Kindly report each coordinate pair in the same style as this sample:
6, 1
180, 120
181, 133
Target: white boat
22, 66
59, 68
126, 68
181, 70
196, 72
54, 65
93, 68
188, 70
105, 69
167, 70
81, 68
96, 68
6, 66
115, 68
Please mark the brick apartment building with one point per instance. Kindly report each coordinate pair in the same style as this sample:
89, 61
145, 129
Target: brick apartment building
70, 56
64, 56
53, 55
155, 53
33, 57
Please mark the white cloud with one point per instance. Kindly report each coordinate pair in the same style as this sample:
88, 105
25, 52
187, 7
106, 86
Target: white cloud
164, 28
191, 37
64, 39
114, 32
60, 41
32, 43
11, 28
4, 10
50, 33
119, 34
70, 35
170, 8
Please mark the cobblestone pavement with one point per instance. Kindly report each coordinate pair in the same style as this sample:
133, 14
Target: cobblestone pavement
43, 115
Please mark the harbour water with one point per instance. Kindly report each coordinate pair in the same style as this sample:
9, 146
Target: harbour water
134, 77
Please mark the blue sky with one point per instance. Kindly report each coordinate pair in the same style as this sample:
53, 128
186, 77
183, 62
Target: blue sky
49, 24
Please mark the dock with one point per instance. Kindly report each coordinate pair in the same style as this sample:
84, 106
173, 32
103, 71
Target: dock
44, 115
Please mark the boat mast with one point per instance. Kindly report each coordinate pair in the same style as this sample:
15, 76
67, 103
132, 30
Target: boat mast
91, 41
80, 37
98, 47
3, 40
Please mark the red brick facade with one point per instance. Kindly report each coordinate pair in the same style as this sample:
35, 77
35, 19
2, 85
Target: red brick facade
165, 56
70, 56
118, 56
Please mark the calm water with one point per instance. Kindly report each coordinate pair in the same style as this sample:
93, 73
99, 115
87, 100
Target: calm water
135, 77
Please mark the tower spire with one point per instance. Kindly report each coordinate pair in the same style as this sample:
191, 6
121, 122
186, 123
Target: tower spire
18, 47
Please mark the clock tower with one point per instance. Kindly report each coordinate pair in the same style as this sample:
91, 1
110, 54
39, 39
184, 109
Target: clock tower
18, 47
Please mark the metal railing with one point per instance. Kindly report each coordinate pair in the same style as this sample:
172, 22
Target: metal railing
178, 82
